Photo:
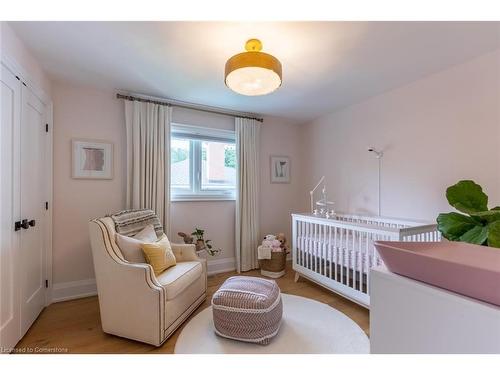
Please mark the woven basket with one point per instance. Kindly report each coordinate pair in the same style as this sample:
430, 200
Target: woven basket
277, 263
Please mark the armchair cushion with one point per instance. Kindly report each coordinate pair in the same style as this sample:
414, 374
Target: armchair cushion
184, 252
131, 246
159, 255
177, 278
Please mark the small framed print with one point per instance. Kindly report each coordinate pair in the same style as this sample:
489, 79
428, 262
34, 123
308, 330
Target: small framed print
92, 159
280, 169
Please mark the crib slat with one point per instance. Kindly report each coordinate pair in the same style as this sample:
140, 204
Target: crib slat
353, 256
336, 252
367, 260
330, 250
303, 240
311, 243
322, 251
341, 249
315, 258
307, 245
325, 250
318, 249
300, 247
310, 247
323, 244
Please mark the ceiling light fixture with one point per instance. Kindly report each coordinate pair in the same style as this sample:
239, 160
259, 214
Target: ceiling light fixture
253, 72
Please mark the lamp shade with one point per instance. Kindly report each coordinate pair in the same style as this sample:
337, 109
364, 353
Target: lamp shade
253, 72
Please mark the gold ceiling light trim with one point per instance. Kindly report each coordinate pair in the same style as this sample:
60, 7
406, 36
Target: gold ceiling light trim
253, 72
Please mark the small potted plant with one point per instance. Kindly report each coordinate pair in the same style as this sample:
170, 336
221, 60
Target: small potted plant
202, 244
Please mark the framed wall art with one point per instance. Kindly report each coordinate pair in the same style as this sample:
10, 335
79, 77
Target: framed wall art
280, 169
92, 159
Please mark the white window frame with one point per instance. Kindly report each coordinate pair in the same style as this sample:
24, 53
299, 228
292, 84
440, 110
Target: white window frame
197, 135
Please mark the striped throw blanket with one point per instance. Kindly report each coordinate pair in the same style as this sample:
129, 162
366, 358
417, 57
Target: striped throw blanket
131, 222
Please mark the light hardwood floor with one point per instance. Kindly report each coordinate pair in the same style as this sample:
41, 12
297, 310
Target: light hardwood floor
75, 326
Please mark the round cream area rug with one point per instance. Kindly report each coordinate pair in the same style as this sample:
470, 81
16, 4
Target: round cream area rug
308, 327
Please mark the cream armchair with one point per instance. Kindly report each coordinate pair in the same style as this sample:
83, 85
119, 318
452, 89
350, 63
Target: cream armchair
136, 304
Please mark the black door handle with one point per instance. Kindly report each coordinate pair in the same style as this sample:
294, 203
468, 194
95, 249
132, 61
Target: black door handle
31, 222
25, 224
17, 226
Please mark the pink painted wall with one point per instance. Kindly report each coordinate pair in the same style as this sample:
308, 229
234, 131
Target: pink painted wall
82, 112
434, 132
13, 48
278, 201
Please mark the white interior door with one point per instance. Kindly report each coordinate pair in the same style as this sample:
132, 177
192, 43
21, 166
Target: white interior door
9, 210
32, 249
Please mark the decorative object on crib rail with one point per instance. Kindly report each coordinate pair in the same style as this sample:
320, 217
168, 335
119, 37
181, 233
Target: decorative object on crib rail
479, 225
272, 255
201, 243
324, 204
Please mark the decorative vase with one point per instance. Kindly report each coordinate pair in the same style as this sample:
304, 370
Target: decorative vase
200, 245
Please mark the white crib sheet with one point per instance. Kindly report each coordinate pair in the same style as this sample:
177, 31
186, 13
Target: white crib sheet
343, 253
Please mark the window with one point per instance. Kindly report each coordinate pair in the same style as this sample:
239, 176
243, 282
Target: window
203, 163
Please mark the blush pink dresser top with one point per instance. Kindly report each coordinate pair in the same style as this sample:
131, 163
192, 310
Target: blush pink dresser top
466, 269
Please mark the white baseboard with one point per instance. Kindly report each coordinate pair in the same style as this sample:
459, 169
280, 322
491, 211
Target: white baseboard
86, 288
221, 265
73, 290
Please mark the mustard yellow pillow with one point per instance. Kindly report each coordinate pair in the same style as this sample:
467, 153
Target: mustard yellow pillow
159, 255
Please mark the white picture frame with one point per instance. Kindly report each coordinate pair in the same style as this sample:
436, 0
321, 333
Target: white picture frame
280, 169
91, 159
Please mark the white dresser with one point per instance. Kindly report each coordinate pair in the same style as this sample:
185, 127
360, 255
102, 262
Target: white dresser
408, 316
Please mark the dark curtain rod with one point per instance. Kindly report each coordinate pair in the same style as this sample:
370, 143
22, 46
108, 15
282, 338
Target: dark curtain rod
137, 99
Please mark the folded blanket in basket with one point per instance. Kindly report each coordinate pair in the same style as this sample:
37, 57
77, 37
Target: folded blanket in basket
264, 252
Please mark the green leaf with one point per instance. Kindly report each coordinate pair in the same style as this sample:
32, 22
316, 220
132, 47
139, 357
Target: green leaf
477, 235
497, 208
453, 225
467, 196
494, 234
487, 216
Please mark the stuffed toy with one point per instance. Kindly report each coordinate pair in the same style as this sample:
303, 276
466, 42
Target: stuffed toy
271, 241
186, 237
282, 239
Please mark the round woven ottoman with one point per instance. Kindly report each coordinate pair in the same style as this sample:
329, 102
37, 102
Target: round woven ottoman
247, 309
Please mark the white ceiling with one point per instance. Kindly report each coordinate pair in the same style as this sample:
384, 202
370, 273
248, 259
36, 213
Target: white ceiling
326, 65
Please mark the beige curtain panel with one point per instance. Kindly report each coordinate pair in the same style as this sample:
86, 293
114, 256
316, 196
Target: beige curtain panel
148, 158
247, 202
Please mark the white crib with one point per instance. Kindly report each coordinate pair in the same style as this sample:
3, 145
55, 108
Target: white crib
339, 253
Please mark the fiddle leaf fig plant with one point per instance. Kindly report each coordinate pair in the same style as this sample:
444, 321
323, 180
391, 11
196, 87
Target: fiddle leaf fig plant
476, 223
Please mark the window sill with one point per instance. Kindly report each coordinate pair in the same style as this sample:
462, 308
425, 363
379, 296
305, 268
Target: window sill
201, 198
